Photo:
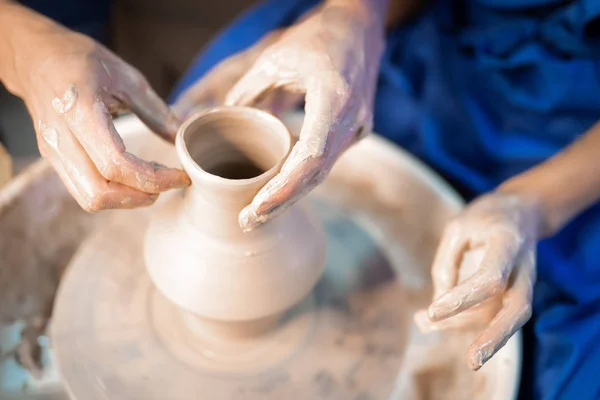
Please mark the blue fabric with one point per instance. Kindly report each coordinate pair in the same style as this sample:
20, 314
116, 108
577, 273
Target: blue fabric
89, 17
482, 90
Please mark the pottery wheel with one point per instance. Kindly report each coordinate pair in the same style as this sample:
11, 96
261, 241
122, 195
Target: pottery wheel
116, 337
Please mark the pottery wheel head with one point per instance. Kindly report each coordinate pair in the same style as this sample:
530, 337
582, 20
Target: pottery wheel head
116, 337
112, 328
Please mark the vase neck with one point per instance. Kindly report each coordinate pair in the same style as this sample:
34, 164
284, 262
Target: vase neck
214, 207
230, 153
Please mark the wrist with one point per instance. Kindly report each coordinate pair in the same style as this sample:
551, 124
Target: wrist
368, 12
19, 27
10, 14
552, 214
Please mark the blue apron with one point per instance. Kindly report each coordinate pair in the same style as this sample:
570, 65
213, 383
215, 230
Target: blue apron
482, 90
89, 17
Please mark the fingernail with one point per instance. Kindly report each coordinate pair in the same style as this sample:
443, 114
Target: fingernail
180, 184
479, 358
181, 181
151, 199
443, 306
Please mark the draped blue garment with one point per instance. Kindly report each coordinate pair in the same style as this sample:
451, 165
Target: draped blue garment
482, 90
89, 17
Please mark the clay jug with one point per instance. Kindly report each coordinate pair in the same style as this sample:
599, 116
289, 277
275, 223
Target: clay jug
195, 251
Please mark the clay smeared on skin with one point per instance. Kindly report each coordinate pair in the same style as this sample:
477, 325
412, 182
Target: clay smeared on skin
332, 56
506, 225
49, 134
74, 85
68, 100
431, 366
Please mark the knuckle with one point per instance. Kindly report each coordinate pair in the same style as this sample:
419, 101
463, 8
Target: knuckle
138, 82
497, 281
110, 171
340, 82
342, 88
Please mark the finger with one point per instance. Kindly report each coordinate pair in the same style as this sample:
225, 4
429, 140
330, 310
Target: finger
135, 92
444, 271
54, 161
90, 122
281, 192
91, 191
515, 312
251, 87
460, 321
306, 166
490, 279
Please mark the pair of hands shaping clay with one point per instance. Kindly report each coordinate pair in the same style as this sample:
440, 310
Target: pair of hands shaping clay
331, 59
71, 86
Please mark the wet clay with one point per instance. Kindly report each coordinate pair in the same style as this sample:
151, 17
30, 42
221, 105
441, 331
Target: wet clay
383, 237
40, 227
195, 250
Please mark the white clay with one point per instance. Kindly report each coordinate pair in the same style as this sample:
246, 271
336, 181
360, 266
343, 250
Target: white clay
195, 250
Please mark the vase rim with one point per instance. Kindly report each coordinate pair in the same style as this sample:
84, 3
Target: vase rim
253, 113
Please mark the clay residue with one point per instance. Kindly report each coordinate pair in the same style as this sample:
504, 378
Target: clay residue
41, 227
406, 210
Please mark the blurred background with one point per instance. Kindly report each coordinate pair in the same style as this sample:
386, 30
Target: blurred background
158, 37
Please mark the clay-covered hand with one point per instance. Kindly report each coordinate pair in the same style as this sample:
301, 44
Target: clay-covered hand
331, 57
72, 86
212, 88
505, 229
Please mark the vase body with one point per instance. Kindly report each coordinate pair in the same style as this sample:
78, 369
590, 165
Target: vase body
195, 251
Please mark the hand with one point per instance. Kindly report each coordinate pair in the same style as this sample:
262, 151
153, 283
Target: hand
332, 57
505, 227
71, 86
212, 88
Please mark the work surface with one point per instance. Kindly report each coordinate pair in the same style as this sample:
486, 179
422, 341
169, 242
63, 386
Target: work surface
378, 202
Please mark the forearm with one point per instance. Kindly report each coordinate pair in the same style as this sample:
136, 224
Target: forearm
565, 185
17, 25
6, 48
367, 11
389, 12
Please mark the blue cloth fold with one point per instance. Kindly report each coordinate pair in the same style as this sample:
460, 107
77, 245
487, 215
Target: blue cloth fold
482, 90
84, 16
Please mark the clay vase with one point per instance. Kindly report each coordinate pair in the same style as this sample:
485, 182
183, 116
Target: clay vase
195, 251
